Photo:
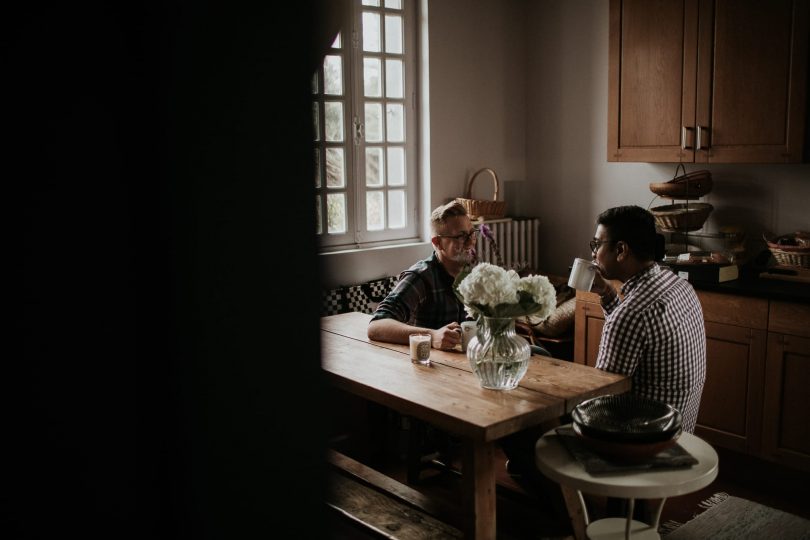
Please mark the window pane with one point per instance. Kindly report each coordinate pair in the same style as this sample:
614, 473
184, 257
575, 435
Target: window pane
395, 116
335, 168
333, 75
396, 166
333, 112
337, 44
375, 211
393, 4
371, 32
375, 3
318, 216
396, 209
374, 122
393, 34
336, 213
315, 83
375, 169
372, 81
317, 124
317, 168
393, 78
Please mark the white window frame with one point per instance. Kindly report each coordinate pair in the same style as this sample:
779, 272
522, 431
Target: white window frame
354, 143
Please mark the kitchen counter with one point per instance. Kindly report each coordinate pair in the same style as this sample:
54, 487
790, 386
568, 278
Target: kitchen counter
750, 284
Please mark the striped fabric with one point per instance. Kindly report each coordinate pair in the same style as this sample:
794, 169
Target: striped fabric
656, 334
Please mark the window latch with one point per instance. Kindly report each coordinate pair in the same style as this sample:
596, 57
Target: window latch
358, 131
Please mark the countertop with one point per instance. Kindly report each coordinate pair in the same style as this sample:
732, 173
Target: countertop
750, 284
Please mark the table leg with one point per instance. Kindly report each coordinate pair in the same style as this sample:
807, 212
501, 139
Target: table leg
478, 479
577, 511
631, 506
657, 517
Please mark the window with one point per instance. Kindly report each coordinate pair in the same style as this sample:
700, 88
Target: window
364, 110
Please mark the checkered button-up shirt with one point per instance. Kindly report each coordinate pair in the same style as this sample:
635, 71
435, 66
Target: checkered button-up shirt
656, 334
423, 297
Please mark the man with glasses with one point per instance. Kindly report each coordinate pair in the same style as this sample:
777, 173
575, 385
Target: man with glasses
655, 332
423, 299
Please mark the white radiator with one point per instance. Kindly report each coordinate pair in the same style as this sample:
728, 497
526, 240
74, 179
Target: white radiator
517, 239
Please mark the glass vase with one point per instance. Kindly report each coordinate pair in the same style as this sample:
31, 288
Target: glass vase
498, 356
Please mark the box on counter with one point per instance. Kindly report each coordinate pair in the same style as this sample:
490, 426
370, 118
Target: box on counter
706, 272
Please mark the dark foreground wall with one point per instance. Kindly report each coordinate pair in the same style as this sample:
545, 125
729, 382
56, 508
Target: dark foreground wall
161, 200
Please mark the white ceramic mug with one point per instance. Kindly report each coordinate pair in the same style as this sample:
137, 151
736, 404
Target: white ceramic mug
420, 348
468, 330
582, 273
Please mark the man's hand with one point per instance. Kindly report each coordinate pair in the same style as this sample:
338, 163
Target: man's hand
447, 337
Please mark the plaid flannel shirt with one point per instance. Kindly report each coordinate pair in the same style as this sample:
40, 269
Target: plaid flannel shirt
423, 297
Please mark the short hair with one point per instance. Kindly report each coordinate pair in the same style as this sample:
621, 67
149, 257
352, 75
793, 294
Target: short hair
636, 227
442, 213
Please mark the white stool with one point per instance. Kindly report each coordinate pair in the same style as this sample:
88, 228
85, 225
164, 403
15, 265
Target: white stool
554, 460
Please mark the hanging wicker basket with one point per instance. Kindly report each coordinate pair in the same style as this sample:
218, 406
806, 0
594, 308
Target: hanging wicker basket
483, 209
681, 217
694, 185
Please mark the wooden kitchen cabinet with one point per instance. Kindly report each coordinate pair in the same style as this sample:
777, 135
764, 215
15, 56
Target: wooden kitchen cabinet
588, 322
755, 399
708, 81
786, 411
730, 413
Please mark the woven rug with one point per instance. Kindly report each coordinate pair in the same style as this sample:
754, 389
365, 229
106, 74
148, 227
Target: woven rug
732, 518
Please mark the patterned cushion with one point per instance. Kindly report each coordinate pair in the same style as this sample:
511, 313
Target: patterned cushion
363, 298
378, 289
334, 302
356, 299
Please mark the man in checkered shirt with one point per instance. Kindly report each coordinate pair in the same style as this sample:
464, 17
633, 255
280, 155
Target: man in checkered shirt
655, 332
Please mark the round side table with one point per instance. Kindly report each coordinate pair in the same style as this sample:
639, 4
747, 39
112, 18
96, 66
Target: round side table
556, 462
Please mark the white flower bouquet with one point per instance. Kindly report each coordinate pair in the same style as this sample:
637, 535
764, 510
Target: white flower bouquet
491, 291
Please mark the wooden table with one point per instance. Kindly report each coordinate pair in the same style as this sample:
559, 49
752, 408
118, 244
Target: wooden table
448, 395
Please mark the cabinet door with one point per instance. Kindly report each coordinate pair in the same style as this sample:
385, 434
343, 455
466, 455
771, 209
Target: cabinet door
651, 79
730, 407
722, 81
786, 412
751, 81
588, 322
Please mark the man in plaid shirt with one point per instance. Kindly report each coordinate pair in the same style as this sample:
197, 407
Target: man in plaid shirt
655, 332
423, 299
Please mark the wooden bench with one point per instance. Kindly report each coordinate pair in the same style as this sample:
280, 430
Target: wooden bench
375, 502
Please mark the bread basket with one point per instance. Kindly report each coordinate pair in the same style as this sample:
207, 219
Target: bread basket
791, 249
483, 209
681, 217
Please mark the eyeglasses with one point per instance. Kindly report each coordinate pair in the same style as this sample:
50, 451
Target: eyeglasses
461, 238
596, 243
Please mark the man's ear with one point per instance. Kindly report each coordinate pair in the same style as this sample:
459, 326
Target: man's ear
622, 250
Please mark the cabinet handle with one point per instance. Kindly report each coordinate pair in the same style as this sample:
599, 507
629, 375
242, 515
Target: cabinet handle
685, 132
700, 138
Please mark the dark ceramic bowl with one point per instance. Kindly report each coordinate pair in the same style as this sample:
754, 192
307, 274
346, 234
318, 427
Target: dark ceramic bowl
627, 417
623, 451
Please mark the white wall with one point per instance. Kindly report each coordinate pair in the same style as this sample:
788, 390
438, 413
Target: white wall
521, 86
570, 179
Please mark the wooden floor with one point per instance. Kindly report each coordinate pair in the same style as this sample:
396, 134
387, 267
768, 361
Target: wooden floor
523, 515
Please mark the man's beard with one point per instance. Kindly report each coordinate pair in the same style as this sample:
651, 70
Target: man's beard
464, 257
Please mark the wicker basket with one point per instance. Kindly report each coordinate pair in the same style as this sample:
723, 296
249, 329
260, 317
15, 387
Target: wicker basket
681, 217
694, 185
796, 252
480, 209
